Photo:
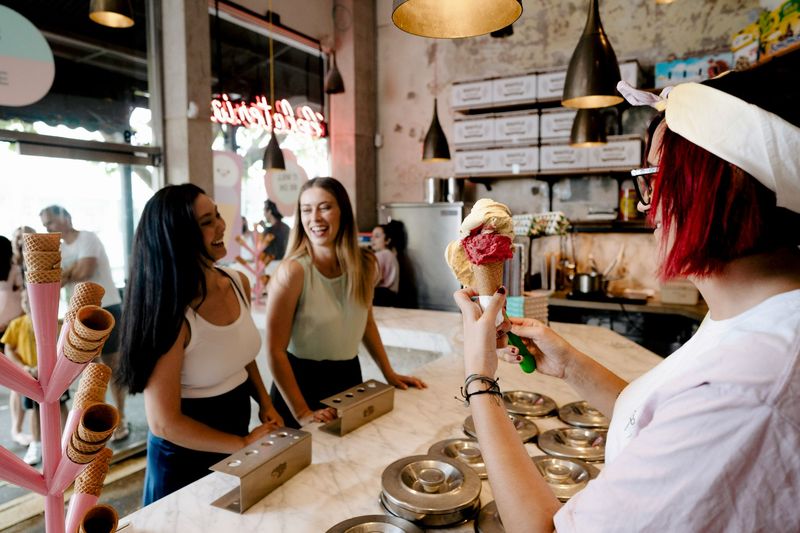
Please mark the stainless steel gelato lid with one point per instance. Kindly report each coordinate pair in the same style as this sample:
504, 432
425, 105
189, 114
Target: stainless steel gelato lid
430, 490
526, 429
574, 443
466, 451
583, 415
565, 476
527, 403
376, 523
488, 520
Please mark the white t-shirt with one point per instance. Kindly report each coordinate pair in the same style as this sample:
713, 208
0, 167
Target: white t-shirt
709, 440
88, 245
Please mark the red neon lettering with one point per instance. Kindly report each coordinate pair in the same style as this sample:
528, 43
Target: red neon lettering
282, 116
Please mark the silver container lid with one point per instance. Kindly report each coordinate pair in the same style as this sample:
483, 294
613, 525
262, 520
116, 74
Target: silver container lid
488, 520
583, 415
526, 429
566, 477
375, 523
530, 404
431, 491
466, 451
588, 444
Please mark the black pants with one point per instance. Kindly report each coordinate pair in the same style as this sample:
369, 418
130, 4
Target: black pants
317, 380
171, 467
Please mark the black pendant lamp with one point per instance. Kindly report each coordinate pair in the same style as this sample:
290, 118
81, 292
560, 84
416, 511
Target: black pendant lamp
588, 129
453, 19
273, 155
435, 147
112, 13
334, 84
593, 71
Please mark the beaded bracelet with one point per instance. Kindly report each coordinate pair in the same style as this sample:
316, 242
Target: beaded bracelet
494, 388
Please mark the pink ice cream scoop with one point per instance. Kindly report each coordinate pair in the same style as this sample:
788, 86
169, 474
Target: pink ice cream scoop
484, 248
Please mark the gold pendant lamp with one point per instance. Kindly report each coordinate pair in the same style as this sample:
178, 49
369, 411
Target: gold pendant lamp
453, 19
593, 71
112, 13
435, 148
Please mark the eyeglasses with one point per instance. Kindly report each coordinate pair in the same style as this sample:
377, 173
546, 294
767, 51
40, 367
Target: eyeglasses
641, 180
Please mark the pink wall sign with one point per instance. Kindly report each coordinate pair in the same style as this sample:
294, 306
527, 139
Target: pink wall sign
283, 186
228, 172
26, 61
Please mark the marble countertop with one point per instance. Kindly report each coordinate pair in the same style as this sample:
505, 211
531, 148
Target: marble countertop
344, 479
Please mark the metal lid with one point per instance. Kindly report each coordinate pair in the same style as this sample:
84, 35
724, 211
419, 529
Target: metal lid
566, 477
488, 520
527, 403
375, 523
429, 485
526, 429
574, 443
583, 415
466, 451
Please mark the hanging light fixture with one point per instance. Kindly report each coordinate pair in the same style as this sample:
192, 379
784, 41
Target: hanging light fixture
453, 19
435, 147
112, 13
593, 71
334, 84
273, 155
588, 129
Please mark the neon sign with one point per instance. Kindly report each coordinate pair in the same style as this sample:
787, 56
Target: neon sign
282, 117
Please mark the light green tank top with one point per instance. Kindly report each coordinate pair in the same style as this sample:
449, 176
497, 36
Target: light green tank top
327, 323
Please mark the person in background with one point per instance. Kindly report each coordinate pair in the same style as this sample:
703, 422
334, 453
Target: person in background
20, 347
694, 443
189, 342
277, 227
247, 236
319, 309
83, 258
388, 282
11, 308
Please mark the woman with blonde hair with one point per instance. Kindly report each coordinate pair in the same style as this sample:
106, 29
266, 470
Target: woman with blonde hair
319, 309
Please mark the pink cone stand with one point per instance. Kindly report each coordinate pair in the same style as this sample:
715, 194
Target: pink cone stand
78, 505
64, 372
14, 378
14, 470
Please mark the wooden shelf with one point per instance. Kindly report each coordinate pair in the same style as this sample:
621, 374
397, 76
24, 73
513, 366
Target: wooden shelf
548, 175
611, 226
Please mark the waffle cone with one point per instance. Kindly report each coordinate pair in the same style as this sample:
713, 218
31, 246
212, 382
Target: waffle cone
92, 323
85, 293
82, 344
82, 446
90, 481
99, 519
42, 260
41, 242
86, 396
43, 276
77, 457
77, 355
95, 375
97, 422
487, 278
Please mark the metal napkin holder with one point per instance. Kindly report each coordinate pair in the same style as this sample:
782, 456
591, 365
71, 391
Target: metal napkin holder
264, 466
358, 405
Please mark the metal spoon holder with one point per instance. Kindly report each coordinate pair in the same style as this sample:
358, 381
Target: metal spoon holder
358, 405
264, 466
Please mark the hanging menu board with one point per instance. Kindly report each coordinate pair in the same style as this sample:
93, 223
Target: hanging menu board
26, 61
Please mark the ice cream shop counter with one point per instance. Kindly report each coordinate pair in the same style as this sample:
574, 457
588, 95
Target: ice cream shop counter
344, 479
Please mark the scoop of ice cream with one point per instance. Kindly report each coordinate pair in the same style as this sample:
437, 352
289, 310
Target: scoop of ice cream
486, 248
459, 263
488, 215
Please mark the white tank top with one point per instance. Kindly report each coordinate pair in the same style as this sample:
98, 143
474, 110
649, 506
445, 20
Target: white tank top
215, 359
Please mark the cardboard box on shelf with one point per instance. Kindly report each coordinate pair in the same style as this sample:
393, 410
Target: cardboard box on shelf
694, 69
744, 45
679, 291
780, 28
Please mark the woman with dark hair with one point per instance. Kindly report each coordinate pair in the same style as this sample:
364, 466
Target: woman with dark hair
383, 240
708, 439
11, 308
276, 227
189, 342
319, 309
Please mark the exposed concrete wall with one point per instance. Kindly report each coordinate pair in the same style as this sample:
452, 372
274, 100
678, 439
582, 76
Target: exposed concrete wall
544, 37
312, 17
